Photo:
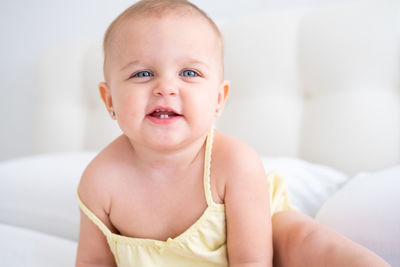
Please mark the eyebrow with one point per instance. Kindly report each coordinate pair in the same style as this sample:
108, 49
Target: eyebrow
134, 62
189, 61
199, 62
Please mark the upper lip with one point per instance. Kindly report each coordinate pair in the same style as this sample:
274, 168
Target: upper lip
161, 108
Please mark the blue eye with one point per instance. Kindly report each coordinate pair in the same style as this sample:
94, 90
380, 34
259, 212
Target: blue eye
189, 73
143, 74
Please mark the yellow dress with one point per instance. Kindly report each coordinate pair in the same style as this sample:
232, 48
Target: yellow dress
202, 244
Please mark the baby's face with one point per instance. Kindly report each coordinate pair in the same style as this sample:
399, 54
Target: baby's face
164, 79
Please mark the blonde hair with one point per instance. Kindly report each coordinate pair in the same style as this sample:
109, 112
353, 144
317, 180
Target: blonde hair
156, 8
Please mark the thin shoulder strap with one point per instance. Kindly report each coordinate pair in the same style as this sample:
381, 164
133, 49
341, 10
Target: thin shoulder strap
207, 167
93, 217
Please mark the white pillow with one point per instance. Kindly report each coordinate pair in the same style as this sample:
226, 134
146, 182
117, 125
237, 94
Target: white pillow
367, 211
309, 184
22, 247
39, 192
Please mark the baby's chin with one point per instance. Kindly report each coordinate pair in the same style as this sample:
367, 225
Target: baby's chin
167, 145
163, 139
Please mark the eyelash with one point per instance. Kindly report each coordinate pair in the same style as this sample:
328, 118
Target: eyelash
196, 74
149, 74
137, 74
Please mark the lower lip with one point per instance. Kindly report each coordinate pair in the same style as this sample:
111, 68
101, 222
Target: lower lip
163, 121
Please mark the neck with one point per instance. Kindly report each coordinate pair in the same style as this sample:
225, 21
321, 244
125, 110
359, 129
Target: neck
169, 162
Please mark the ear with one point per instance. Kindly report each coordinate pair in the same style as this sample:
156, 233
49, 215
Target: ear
223, 92
105, 94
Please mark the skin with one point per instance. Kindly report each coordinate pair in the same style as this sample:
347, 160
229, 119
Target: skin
174, 62
154, 45
300, 241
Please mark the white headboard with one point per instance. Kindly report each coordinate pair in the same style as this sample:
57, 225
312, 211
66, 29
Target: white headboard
319, 84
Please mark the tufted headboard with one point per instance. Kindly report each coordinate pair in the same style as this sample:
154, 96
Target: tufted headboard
321, 84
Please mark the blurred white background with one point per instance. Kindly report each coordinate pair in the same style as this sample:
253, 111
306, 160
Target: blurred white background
31, 27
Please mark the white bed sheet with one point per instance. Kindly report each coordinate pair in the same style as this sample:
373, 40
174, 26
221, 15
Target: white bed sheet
21, 247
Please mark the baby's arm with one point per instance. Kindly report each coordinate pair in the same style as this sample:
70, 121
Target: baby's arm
93, 249
249, 237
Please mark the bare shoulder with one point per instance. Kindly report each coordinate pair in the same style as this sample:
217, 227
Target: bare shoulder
246, 201
98, 179
235, 155
236, 162
95, 191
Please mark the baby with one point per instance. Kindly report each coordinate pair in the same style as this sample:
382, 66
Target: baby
171, 190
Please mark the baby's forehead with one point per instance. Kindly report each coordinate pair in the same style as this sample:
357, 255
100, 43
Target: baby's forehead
126, 28
124, 25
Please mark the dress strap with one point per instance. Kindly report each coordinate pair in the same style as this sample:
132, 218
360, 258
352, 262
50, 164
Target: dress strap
207, 167
93, 217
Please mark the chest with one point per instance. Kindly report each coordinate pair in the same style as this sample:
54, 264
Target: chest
158, 211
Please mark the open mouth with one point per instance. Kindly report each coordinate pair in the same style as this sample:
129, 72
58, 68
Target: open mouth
162, 113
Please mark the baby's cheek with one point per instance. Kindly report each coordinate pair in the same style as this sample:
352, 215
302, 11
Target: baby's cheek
207, 104
131, 99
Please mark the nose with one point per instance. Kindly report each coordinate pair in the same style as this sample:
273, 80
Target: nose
165, 88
